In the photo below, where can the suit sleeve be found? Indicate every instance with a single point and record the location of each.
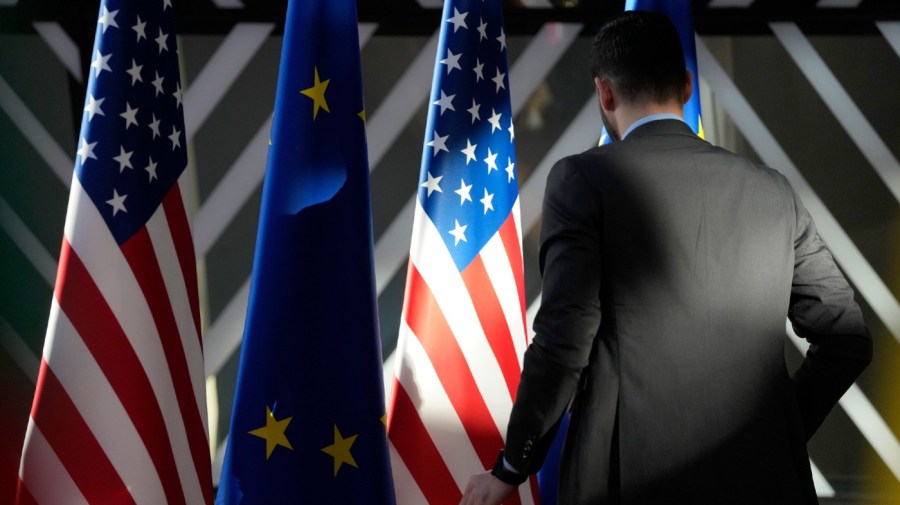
(823, 312)
(567, 321)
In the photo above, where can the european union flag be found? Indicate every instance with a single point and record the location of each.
(308, 421)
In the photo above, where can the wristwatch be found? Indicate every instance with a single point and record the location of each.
(506, 475)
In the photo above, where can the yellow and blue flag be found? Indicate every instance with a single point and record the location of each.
(308, 424)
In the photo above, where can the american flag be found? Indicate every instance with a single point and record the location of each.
(119, 413)
(462, 332)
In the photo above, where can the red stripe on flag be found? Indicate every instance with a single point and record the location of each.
(71, 438)
(184, 248)
(138, 251)
(427, 322)
(23, 496)
(535, 489)
(418, 452)
(509, 235)
(492, 319)
(84, 305)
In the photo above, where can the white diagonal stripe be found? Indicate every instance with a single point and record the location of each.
(854, 264)
(863, 414)
(223, 337)
(62, 46)
(18, 350)
(529, 68)
(25, 240)
(891, 32)
(38, 136)
(842, 4)
(48, 480)
(229, 4)
(229, 195)
(221, 71)
(823, 488)
(840, 104)
(400, 104)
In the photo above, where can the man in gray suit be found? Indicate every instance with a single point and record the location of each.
(669, 269)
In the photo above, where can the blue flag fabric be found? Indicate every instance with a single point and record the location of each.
(308, 424)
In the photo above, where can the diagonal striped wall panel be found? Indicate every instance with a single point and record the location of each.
(815, 107)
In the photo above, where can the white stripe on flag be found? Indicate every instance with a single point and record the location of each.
(405, 487)
(97, 403)
(176, 288)
(437, 268)
(499, 270)
(421, 383)
(91, 240)
(48, 481)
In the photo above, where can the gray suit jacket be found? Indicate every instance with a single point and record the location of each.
(669, 269)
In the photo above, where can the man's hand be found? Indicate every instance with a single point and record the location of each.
(485, 489)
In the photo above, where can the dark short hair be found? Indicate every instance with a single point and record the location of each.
(641, 53)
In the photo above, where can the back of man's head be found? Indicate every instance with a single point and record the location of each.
(640, 52)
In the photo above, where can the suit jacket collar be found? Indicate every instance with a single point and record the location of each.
(661, 127)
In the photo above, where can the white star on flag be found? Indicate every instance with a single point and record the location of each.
(124, 159)
(438, 143)
(151, 169)
(86, 151)
(491, 161)
(154, 125)
(135, 72)
(445, 102)
(459, 233)
(482, 29)
(177, 94)
(107, 18)
(93, 107)
(458, 20)
(473, 110)
(101, 63)
(140, 28)
(498, 80)
(510, 169)
(433, 184)
(494, 120)
(130, 116)
(161, 41)
(479, 70)
(452, 61)
(157, 83)
(469, 151)
(463, 191)
(117, 202)
(487, 201)
(175, 137)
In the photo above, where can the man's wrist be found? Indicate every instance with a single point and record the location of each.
(505, 474)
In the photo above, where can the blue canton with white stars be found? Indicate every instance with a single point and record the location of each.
(131, 150)
(468, 181)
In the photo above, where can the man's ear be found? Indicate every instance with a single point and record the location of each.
(606, 93)
(688, 86)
